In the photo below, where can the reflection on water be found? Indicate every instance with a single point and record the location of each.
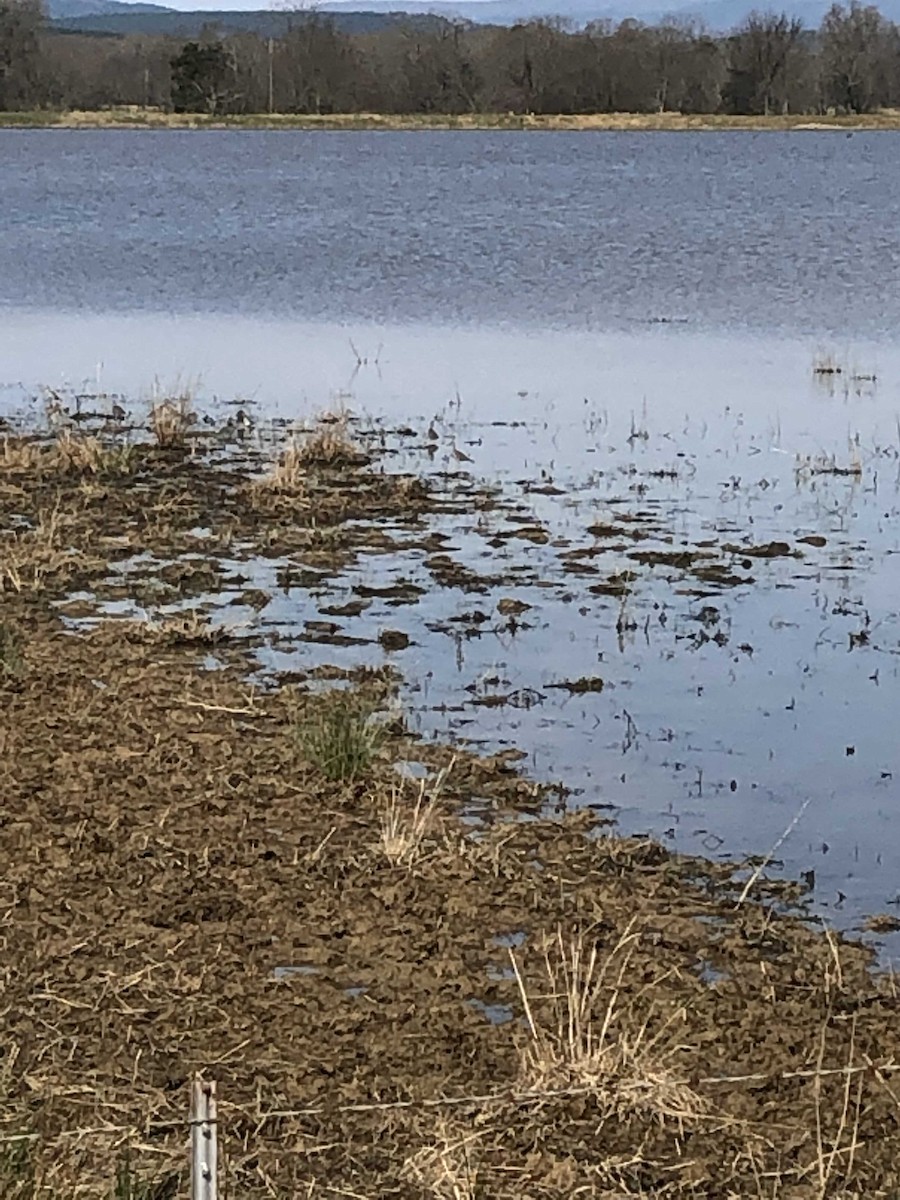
(703, 524)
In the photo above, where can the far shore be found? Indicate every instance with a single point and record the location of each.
(149, 118)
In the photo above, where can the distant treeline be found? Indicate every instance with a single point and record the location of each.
(770, 64)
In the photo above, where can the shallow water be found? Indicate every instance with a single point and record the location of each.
(728, 711)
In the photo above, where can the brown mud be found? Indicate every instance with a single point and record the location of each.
(428, 978)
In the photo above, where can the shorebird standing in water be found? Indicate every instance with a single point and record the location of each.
(459, 455)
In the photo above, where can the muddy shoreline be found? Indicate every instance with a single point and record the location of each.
(413, 971)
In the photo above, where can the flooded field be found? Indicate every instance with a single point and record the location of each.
(704, 527)
(449, 664)
(413, 969)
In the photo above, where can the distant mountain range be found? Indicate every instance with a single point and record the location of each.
(717, 15)
(63, 9)
(114, 17)
(359, 16)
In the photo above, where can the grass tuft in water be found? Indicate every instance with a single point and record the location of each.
(171, 420)
(329, 445)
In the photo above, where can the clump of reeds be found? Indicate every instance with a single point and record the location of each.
(171, 420)
(78, 455)
(588, 1035)
(329, 445)
(68, 453)
(89, 456)
(342, 737)
(288, 475)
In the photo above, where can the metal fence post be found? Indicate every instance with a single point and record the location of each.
(204, 1141)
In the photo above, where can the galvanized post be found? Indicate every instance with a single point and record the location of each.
(204, 1141)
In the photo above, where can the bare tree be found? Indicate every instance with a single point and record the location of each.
(304, 61)
(855, 41)
(763, 55)
(20, 26)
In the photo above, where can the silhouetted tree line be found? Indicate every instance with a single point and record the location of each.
(770, 64)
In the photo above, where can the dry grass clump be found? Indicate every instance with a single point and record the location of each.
(329, 445)
(587, 1033)
(343, 735)
(404, 827)
(20, 454)
(90, 456)
(446, 1167)
(288, 475)
(171, 420)
(68, 453)
(29, 556)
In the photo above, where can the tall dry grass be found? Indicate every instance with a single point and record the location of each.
(30, 555)
(68, 453)
(404, 826)
(171, 420)
(329, 444)
(590, 1032)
